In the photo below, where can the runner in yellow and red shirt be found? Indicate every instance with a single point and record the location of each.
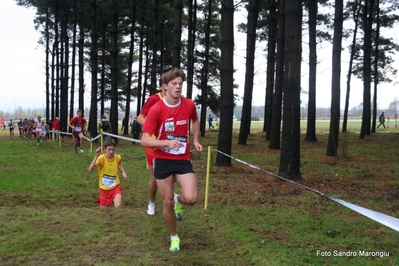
(109, 164)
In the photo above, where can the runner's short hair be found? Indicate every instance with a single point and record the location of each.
(172, 74)
(109, 142)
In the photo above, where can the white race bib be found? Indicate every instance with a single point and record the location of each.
(109, 181)
(182, 148)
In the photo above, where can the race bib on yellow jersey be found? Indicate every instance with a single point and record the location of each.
(109, 181)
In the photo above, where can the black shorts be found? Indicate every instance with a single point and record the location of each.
(164, 168)
(75, 134)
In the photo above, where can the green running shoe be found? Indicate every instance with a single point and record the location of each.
(179, 211)
(175, 245)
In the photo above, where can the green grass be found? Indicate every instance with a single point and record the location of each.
(49, 214)
(322, 126)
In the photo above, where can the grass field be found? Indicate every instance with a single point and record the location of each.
(49, 214)
(322, 126)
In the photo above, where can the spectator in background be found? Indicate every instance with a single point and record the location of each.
(50, 128)
(210, 121)
(382, 120)
(123, 123)
(56, 128)
(136, 129)
(104, 126)
(62, 128)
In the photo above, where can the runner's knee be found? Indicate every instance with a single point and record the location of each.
(190, 199)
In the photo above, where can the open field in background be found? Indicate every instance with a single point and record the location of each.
(49, 215)
(323, 126)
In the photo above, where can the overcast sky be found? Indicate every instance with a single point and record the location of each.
(22, 76)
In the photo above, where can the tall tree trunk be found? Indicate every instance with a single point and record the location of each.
(290, 149)
(366, 116)
(271, 54)
(205, 70)
(57, 66)
(103, 65)
(146, 71)
(177, 29)
(94, 70)
(356, 11)
(63, 68)
(81, 53)
(130, 63)
(336, 80)
(114, 70)
(53, 70)
(192, 29)
(253, 13)
(140, 92)
(154, 63)
(275, 128)
(311, 125)
(227, 82)
(376, 58)
(48, 70)
(161, 50)
(73, 62)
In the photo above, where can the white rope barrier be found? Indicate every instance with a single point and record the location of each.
(121, 137)
(381, 218)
